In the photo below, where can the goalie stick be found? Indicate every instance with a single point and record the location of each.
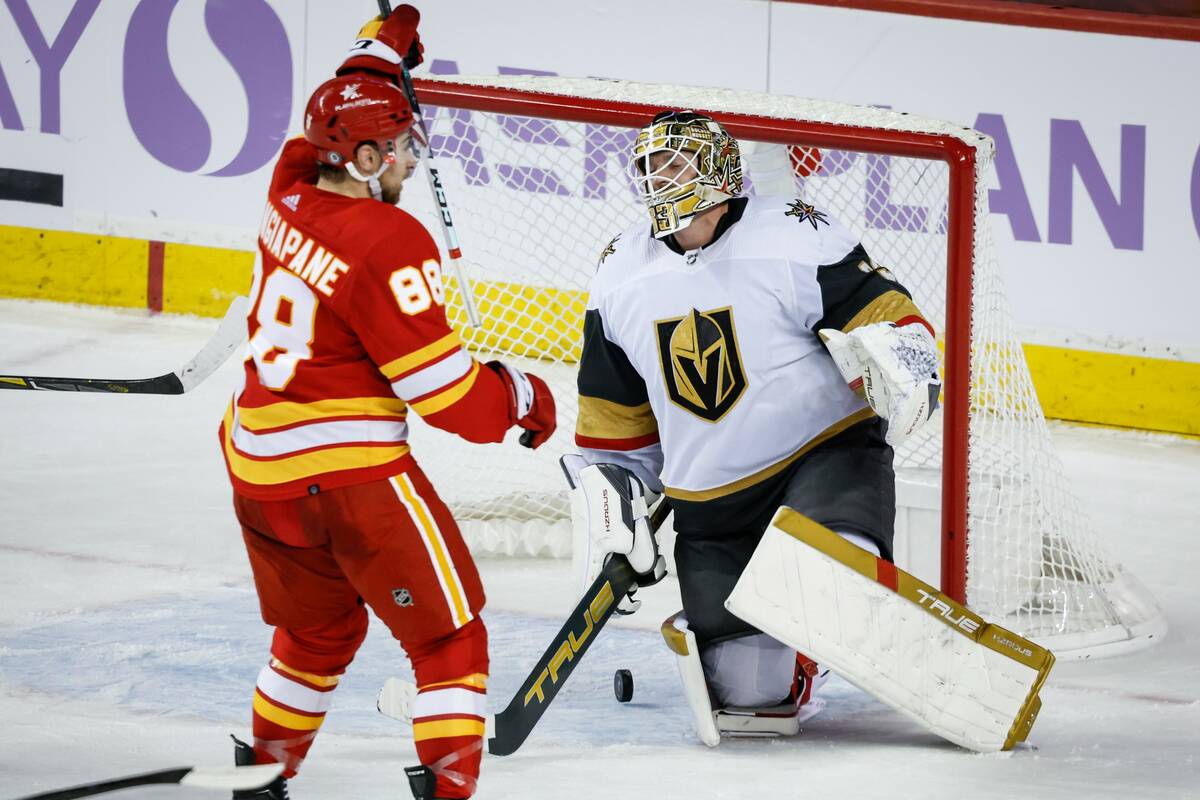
(509, 729)
(435, 186)
(229, 335)
(234, 778)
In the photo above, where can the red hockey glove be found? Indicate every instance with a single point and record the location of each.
(531, 404)
(383, 45)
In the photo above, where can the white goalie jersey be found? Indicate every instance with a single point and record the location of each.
(702, 371)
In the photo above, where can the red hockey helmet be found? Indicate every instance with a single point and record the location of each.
(351, 109)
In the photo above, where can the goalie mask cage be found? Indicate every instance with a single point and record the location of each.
(534, 171)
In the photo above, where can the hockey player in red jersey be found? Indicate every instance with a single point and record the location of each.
(348, 332)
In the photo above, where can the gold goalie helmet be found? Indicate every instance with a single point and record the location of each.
(684, 163)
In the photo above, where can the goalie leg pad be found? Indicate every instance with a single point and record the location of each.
(970, 682)
(695, 688)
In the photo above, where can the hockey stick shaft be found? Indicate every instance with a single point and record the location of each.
(509, 729)
(599, 602)
(435, 186)
(551, 671)
(229, 335)
(233, 778)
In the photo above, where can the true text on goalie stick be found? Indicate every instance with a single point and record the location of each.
(513, 725)
(435, 186)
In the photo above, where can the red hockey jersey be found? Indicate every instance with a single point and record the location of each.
(347, 329)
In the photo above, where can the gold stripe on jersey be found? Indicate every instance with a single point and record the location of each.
(891, 306)
(447, 397)
(279, 415)
(406, 363)
(604, 419)
(268, 472)
(774, 469)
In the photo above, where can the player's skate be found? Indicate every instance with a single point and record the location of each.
(243, 755)
(782, 719)
(422, 781)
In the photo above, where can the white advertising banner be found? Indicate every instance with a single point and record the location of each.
(163, 118)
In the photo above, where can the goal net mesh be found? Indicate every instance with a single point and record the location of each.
(535, 199)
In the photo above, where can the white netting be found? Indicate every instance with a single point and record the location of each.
(535, 200)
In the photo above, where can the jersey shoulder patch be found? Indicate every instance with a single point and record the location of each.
(809, 234)
(806, 212)
(608, 250)
(622, 258)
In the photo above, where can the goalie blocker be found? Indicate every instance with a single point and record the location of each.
(891, 635)
(610, 516)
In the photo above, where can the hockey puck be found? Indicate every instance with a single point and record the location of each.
(623, 685)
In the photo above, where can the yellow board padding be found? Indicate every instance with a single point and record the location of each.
(69, 267)
(204, 280)
(540, 322)
(1155, 394)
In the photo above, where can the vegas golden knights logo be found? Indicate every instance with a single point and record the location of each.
(701, 364)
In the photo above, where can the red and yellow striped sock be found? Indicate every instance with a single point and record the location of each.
(448, 728)
(289, 707)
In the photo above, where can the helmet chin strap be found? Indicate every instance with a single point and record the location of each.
(372, 180)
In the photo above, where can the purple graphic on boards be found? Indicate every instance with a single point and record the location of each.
(169, 124)
(1196, 192)
(252, 38)
(1123, 213)
(50, 58)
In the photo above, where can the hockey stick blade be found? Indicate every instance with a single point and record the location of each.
(230, 778)
(229, 335)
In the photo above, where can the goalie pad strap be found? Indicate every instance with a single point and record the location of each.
(971, 682)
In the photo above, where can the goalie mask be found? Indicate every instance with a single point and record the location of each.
(684, 163)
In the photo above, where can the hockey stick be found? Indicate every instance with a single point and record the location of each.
(508, 730)
(229, 335)
(435, 185)
(235, 778)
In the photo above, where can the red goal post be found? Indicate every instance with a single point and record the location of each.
(496, 123)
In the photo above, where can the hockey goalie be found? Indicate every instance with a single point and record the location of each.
(748, 359)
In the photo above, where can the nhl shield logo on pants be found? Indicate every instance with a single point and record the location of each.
(402, 597)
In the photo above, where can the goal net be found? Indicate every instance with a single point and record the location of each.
(534, 171)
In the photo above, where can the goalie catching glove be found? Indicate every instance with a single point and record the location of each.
(895, 368)
(610, 517)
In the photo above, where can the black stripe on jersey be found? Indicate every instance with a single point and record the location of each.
(847, 288)
(604, 369)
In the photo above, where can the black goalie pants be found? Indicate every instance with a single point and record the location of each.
(846, 484)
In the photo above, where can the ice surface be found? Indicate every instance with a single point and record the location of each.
(130, 640)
